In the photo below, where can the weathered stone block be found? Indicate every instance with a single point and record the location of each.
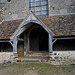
(63, 58)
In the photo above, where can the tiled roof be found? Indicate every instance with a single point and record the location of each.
(7, 28)
(58, 25)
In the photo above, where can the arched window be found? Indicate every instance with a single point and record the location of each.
(39, 7)
(8, 0)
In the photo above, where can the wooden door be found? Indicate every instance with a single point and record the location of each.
(34, 42)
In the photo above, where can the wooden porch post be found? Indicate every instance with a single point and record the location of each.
(50, 44)
(15, 45)
(25, 43)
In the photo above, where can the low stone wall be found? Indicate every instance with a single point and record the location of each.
(7, 57)
(55, 58)
(62, 58)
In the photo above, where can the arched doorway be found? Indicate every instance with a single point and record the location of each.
(38, 40)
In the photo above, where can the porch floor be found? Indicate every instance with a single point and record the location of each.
(37, 54)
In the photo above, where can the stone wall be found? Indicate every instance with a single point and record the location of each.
(62, 7)
(7, 57)
(1, 12)
(16, 9)
(62, 58)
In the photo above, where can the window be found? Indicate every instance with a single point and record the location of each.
(39, 7)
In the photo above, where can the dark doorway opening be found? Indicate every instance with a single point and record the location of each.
(6, 47)
(38, 40)
(64, 45)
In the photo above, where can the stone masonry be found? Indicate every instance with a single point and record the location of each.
(16, 9)
(62, 58)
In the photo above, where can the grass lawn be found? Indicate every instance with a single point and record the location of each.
(36, 69)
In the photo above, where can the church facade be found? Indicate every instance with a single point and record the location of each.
(40, 29)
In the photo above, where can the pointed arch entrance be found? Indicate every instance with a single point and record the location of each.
(23, 28)
(38, 40)
(35, 37)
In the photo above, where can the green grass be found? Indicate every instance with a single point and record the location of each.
(27, 65)
(39, 67)
(69, 68)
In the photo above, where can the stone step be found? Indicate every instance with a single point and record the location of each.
(37, 54)
(27, 60)
(33, 59)
(36, 58)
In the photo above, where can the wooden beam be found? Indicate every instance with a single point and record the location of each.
(15, 44)
(4, 40)
(20, 39)
(11, 43)
(25, 43)
(54, 41)
(50, 44)
(63, 38)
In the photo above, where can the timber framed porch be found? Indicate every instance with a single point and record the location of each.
(38, 34)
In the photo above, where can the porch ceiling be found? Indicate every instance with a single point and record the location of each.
(24, 28)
